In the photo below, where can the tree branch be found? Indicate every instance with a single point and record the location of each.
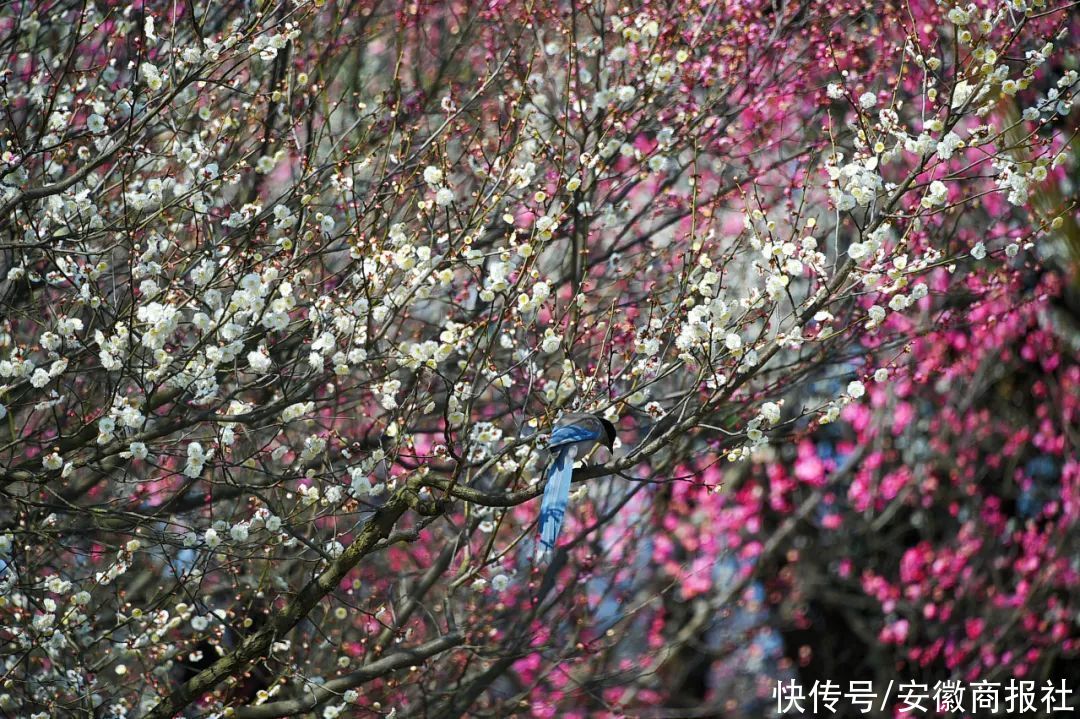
(322, 692)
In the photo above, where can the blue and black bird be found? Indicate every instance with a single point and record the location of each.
(575, 434)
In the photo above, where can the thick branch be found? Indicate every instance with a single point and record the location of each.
(256, 645)
(322, 692)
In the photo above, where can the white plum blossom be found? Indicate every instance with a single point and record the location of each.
(95, 123)
(948, 145)
(259, 360)
(648, 347)
(160, 320)
(771, 412)
(52, 461)
(1015, 181)
(265, 164)
(309, 494)
(387, 391)
(196, 458)
(68, 326)
(444, 197)
(433, 175)
(313, 447)
(50, 341)
(938, 194)
(203, 273)
(959, 15)
(544, 225)
(152, 76)
(361, 485)
(856, 183)
(296, 410)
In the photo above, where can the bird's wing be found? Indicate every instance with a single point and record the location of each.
(556, 497)
(571, 433)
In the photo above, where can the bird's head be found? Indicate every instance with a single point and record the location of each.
(608, 440)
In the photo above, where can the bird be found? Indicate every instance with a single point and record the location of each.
(574, 434)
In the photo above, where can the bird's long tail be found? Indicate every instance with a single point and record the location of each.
(556, 497)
